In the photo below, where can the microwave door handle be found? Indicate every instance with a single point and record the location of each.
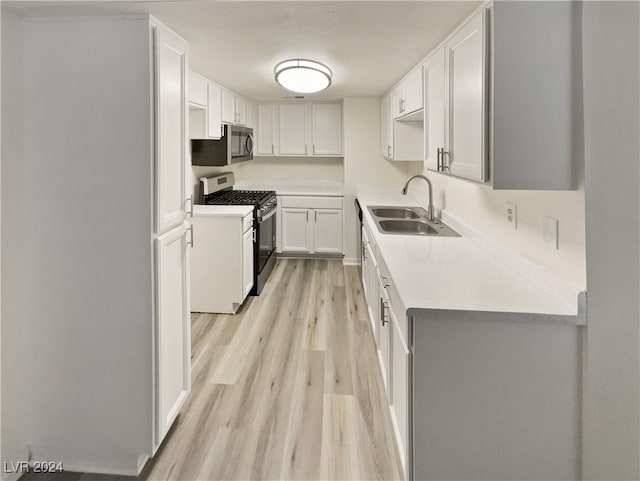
(249, 144)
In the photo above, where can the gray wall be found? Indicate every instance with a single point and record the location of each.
(14, 371)
(611, 422)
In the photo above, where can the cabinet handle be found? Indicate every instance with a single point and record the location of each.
(272, 149)
(385, 281)
(307, 216)
(190, 200)
(313, 149)
(315, 216)
(190, 243)
(254, 235)
(439, 161)
(383, 306)
(445, 167)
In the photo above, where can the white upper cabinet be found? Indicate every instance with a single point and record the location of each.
(386, 124)
(241, 111)
(171, 133)
(300, 129)
(266, 130)
(197, 90)
(228, 107)
(408, 96)
(326, 129)
(537, 80)
(292, 127)
(214, 110)
(434, 114)
(466, 149)
(234, 108)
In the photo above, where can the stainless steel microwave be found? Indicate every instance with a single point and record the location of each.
(235, 145)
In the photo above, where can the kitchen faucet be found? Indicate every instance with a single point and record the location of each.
(406, 187)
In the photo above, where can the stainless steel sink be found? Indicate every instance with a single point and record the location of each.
(407, 227)
(408, 221)
(395, 212)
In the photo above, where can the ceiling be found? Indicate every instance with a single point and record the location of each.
(368, 44)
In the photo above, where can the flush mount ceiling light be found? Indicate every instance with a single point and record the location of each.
(303, 76)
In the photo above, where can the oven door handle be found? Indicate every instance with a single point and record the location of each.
(262, 219)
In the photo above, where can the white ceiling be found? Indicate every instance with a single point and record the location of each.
(368, 45)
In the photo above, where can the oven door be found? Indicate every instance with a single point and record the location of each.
(264, 251)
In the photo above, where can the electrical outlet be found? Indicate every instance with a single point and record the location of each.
(511, 214)
(550, 231)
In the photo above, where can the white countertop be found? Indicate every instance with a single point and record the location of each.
(222, 210)
(470, 273)
(286, 187)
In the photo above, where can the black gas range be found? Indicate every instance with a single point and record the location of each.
(218, 190)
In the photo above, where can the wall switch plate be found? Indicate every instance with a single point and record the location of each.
(550, 231)
(511, 214)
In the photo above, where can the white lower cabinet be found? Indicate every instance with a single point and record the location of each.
(295, 230)
(388, 328)
(399, 389)
(247, 261)
(384, 333)
(311, 225)
(173, 328)
(223, 244)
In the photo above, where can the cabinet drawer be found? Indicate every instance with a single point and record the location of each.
(311, 202)
(247, 222)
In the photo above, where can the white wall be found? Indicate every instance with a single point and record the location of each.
(14, 338)
(484, 208)
(611, 424)
(363, 163)
(291, 168)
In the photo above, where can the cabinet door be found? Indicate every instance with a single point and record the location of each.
(247, 262)
(326, 127)
(412, 95)
(327, 234)
(266, 130)
(214, 111)
(295, 230)
(400, 388)
(434, 81)
(197, 90)
(384, 334)
(386, 123)
(466, 139)
(292, 129)
(396, 102)
(173, 328)
(241, 111)
(171, 134)
(373, 301)
(228, 107)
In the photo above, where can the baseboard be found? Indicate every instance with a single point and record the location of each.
(13, 467)
(120, 464)
(351, 261)
(287, 255)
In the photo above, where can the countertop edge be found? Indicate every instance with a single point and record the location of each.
(423, 314)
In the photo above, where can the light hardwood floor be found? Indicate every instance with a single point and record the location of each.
(288, 388)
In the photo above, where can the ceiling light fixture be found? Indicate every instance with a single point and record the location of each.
(303, 76)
